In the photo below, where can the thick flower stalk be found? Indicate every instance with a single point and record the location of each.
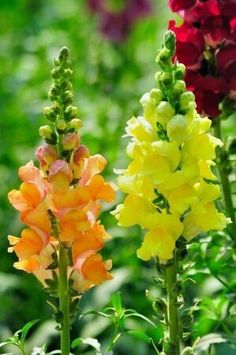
(171, 189)
(59, 203)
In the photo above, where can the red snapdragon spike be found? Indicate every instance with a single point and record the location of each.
(206, 44)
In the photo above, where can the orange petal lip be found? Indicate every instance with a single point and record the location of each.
(95, 270)
(95, 164)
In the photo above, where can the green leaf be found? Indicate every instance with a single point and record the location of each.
(105, 315)
(116, 301)
(138, 315)
(212, 338)
(26, 328)
(5, 343)
(88, 341)
(113, 342)
(140, 335)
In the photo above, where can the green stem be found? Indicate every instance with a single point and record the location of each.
(63, 291)
(222, 164)
(172, 308)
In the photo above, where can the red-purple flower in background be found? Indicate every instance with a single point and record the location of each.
(115, 24)
(206, 44)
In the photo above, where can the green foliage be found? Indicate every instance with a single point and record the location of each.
(18, 339)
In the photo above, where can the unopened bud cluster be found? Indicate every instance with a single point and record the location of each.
(62, 115)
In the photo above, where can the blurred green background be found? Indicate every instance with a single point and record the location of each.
(109, 79)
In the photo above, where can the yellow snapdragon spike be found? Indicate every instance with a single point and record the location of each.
(170, 171)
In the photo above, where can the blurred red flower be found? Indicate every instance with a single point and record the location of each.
(116, 24)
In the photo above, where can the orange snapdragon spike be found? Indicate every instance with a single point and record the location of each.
(60, 200)
(51, 191)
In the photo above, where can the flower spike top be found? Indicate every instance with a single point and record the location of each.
(59, 202)
(169, 183)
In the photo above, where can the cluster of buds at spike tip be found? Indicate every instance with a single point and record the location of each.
(169, 182)
(62, 115)
(60, 201)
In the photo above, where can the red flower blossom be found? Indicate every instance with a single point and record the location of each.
(177, 5)
(208, 90)
(206, 44)
(190, 44)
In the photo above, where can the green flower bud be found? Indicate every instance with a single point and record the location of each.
(47, 133)
(177, 129)
(55, 73)
(68, 73)
(166, 80)
(170, 42)
(50, 114)
(164, 112)
(179, 72)
(71, 112)
(64, 54)
(76, 123)
(179, 87)
(159, 305)
(61, 125)
(185, 99)
(56, 107)
(53, 92)
(67, 97)
(156, 95)
(164, 58)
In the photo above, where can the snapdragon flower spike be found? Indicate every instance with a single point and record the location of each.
(169, 183)
(60, 200)
(206, 44)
